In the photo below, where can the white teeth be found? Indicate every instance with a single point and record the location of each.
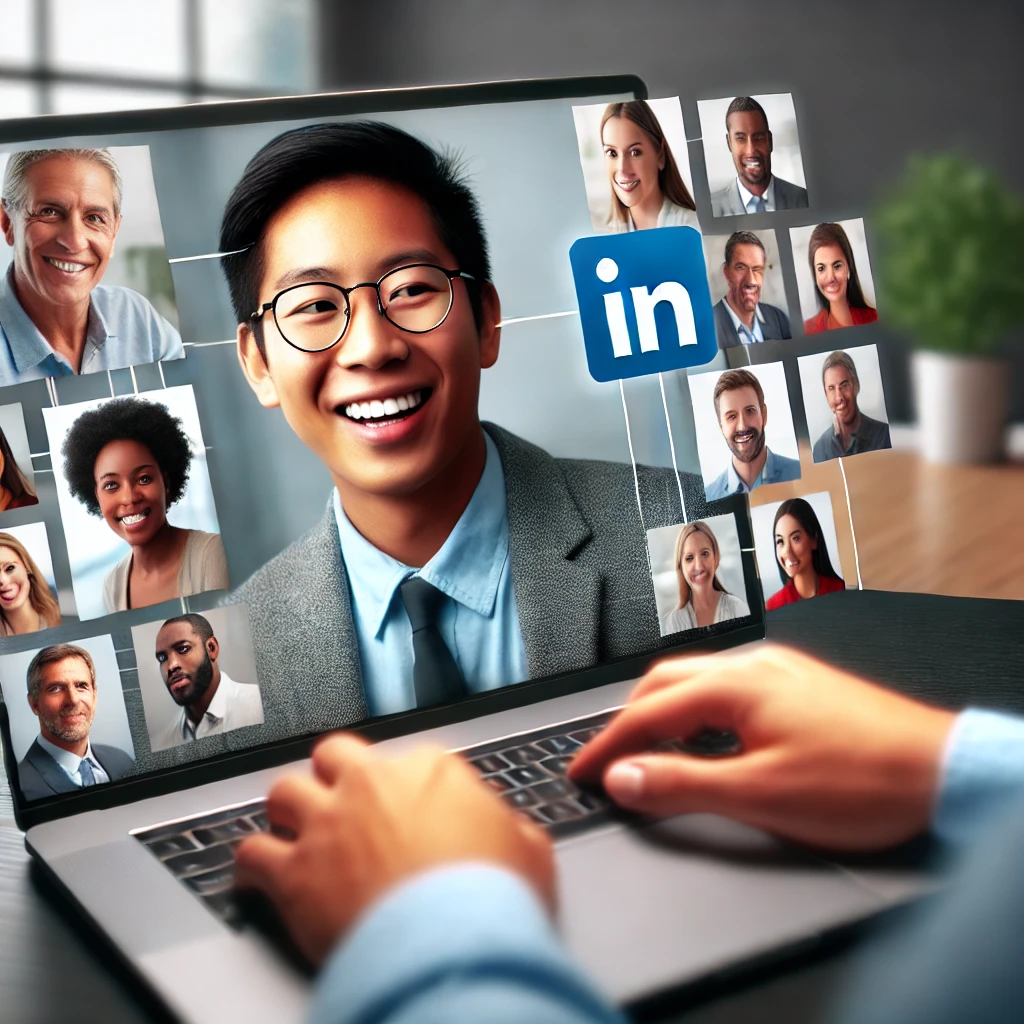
(71, 268)
(379, 408)
(132, 520)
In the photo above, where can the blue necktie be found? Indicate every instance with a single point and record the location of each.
(87, 774)
(758, 204)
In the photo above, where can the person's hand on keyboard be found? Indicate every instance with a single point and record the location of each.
(824, 757)
(363, 823)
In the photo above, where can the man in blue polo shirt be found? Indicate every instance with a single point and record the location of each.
(60, 213)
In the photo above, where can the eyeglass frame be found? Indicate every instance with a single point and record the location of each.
(256, 316)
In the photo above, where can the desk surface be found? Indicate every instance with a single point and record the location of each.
(945, 650)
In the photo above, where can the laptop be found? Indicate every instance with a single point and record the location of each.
(574, 576)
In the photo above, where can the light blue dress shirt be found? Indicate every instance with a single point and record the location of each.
(478, 621)
(470, 943)
(776, 469)
(749, 200)
(71, 764)
(746, 335)
(123, 330)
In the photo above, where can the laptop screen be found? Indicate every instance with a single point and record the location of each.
(305, 436)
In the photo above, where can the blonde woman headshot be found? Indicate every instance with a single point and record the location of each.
(26, 603)
(703, 600)
(647, 190)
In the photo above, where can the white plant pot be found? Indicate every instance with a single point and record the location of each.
(962, 407)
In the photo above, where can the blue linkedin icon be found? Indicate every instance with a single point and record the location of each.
(644, 302)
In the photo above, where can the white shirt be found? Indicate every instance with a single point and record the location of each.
(749, 200)
(71, 764)
(729, 607)
(670, 216)
(234, 705)
(747, 336)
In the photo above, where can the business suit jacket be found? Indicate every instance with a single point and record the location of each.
(39, 775)
(775, 326)
(788, 196)
(579, 569)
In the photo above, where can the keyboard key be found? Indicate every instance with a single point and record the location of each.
(559, 811)
(590, 803)
(221, 833)
(260, 820)
(489, 764)
(559, 745)
(586, 735)
(520, 799)
(556, 765)
(170, 845)
(553, 790)
(524, 755)
(200, 860)
(527, 776)
(498, 782)
(214, 881)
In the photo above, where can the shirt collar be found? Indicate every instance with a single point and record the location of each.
(737, 322)
(28, 346)
(738, 486)
(217, 710)
(663, 214)
(467, 567)
(768, 197)
(68, 761)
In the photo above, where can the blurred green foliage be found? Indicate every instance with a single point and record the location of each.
(950, 273)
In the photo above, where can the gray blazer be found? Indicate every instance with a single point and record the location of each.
(774, 328)
(579, 568)
(788, 196)
(39, 775)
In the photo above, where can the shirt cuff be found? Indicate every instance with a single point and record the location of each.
(982, 771)
(455, 927)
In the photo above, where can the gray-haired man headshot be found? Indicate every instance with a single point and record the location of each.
(60, 212)
(852, 432)
(62, 694)
(754, 189)
(211, 701)
(742, 417)
(741, 318)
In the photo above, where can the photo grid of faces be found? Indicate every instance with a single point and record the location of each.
(172, 585)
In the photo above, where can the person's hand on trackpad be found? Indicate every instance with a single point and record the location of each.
(825, 758)
(364, 823)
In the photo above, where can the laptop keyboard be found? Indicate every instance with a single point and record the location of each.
(528, 771)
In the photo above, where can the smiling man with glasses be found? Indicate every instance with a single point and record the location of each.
(453, 557)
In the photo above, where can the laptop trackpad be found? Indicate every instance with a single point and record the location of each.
(645, 909)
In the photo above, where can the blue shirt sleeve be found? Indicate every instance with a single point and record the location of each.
(982, 772)
(463, 944)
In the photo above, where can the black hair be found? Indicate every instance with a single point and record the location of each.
(126, 419)
(745, 105)
(322, 152)
(803, 512)
(741, 238)
(198, 623)
(12, 477)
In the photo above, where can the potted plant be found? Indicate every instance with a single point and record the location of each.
(950, 276)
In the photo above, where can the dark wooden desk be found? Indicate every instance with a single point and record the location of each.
(947, 650)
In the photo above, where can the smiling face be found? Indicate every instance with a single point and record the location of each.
(794, 548)
(632, 160)
(745, 275)
(831, 272)
(750, 143)
(131, 491)
(742, 419)
(420, 391)
(63, 236)
(699, 564)
(186, 663)
(841, 392)
(15, 586)
(66, 703)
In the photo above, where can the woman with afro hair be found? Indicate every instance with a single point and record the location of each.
(128, 461)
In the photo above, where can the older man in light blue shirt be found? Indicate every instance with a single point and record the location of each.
(60, 213)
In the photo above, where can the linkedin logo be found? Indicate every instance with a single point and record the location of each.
(644, 302)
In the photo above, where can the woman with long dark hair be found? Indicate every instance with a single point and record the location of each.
(15, 490)
(803, 562)
(837, 285)
(647, 190)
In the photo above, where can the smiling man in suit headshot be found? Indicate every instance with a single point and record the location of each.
(453, 556)
(754, 189)
(62, 694)
(741, 318)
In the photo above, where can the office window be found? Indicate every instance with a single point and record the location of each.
(65, 56)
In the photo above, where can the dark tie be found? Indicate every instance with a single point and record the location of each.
(88, 776)
(435, 675)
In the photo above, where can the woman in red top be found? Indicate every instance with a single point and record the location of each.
(835, 274)
(804, 564)
(15, 490)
